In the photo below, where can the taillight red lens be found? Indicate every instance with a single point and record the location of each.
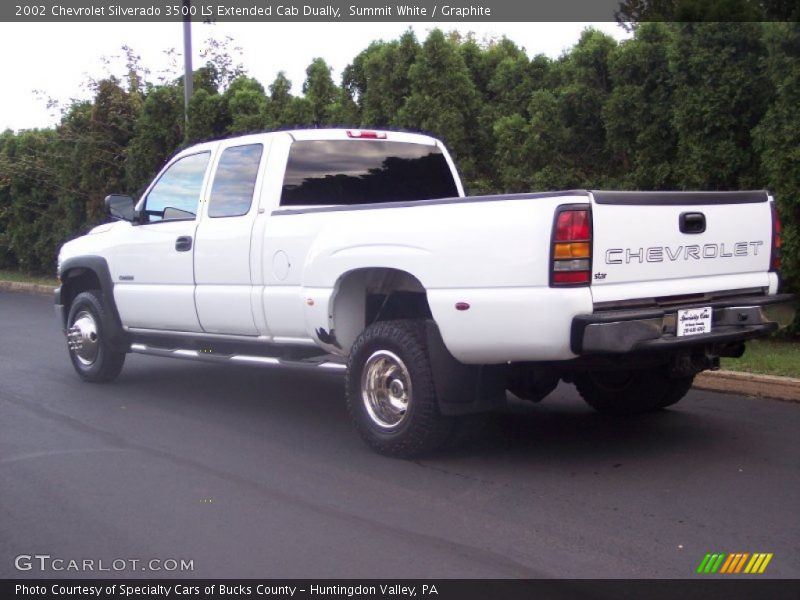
(775, 260)
(571, 277)
(571, 246)
(572, 226)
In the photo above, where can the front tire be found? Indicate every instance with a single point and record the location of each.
(89, 348)
(631, 392)
(390, 390)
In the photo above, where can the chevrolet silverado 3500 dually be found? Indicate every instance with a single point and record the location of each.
(357, 250)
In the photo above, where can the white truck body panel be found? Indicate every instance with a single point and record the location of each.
(459, 253)
(162, 277)
(275, 273)
(224, 284)
(642, 246)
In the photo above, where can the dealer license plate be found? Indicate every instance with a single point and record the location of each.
(694, 321)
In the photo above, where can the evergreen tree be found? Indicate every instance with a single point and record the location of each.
(247, 105)
(720, 96)
(344, 110)
(639, 112)
(443, 99)
(101, 148)
(320, 91)
(159, 133)
(778, 140)
(565, 143)
(299, 113)
(378, 78)
(208, 116)
(280, 98)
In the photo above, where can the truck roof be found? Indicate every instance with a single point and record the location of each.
(321, 134)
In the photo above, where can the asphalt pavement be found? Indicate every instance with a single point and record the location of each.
(257, 472)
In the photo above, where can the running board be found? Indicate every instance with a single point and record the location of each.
(326, 361)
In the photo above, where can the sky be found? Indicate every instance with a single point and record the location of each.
(55, 60)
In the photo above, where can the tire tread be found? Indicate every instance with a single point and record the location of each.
(649, 390)
(426, 428)
(109, 362)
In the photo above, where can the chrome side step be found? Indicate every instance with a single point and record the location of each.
(326, 361)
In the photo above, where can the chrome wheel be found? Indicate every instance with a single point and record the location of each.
(390, 389)
(82, 338)
(386, 389)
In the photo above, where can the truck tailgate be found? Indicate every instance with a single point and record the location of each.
(664, 244)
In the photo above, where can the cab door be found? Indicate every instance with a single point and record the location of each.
(222, 250)
(152, 265)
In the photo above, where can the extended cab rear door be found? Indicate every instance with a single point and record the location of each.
(223, 247)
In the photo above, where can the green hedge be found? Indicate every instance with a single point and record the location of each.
(710, 106)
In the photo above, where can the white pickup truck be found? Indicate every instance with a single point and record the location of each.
(357, 250)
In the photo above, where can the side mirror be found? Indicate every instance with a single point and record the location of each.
(120, 207)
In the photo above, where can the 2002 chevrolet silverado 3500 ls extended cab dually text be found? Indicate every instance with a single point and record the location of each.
(357, 250)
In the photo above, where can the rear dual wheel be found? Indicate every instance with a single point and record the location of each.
(390, 390)
(529, 383)
(631, 392)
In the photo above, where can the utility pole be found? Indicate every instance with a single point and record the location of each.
(188, 82)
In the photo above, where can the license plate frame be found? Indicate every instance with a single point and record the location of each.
(694, 321)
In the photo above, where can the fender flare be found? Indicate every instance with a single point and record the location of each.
(118, 337)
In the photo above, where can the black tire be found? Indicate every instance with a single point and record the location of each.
(631, 392)
(530, 384)
(95, 361)
(678, 388)
(401, 416)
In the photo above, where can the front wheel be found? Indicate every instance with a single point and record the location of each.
(631, 392)
(390, 390)
(89, 349)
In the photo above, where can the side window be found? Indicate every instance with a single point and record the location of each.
(235, 181)
(177, 192)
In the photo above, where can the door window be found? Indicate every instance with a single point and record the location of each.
(176, 194)
(235, 181)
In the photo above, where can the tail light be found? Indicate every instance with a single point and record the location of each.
(571, 251)
(775, 257)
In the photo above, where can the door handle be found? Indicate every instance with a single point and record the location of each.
(183, 243)
(692, 222)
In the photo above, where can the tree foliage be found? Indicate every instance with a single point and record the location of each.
(443, 99)
(720, 96)
(778, 139)
(680, 105)
(639, 111)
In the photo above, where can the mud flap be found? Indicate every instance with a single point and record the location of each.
(463, 389)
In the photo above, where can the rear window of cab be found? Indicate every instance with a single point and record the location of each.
(346, 172)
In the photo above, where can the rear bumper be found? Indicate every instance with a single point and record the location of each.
(733, 320)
